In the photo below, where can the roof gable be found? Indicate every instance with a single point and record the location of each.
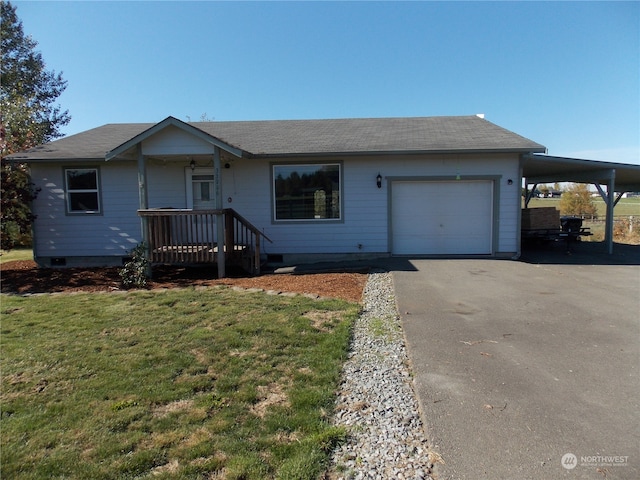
(164, 125)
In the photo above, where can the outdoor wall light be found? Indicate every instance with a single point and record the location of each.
(509, 182)
(379, 181)
(192, 164)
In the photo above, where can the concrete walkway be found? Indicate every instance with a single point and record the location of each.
(521, 365)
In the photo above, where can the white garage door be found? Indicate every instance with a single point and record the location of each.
(442, 218)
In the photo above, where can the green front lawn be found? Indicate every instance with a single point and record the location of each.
(626, 206)
(16, 254)
(207, 383)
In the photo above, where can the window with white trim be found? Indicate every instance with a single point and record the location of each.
(83, 190)
(309, 192)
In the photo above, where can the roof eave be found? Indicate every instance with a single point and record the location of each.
(29, 161)
(360, 153)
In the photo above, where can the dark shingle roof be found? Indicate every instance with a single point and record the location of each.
(311, 137)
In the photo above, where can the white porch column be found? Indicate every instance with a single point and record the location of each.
(217, 190)
(609, 199)
(610, 205)
(142, 179)
(143, 201)
(142, 191)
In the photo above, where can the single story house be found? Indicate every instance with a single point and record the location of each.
(281, 191)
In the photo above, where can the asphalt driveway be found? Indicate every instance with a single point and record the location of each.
(518, 366)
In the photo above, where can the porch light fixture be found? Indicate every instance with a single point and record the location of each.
(379, 181)
(192, 164)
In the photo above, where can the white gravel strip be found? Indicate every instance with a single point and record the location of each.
(376, 402)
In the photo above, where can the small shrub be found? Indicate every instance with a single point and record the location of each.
(134, 272)
(627, 230)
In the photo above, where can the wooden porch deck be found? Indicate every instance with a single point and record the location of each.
(189, 237)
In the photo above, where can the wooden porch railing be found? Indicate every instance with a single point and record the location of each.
(185, 237)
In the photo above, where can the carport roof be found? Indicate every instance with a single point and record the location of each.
(550, 169)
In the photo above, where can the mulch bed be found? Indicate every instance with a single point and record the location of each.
(24, 277)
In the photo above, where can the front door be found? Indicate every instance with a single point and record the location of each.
(200, 189)
(200, 196)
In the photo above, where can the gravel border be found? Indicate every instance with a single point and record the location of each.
(376, 402)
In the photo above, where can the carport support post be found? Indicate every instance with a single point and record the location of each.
(528, 195)
(610, 201)
(217, 187)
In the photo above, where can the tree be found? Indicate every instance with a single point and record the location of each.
(544, 190)
(577, 200)
(29, 117)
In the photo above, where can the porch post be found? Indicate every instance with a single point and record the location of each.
(217, 188)
(143, 201)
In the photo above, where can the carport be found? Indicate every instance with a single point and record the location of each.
(611, 179)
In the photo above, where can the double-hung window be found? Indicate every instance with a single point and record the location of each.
(307, 192)
(83, 190)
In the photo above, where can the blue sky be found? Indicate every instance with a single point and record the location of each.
(566, 75)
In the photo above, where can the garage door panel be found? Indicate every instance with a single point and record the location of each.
(442, 217)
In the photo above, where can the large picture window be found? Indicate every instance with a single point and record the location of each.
(307, 192)
(83, 194)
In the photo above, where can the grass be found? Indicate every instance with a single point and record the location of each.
(16, 254)
(170, 384)
(626, 207)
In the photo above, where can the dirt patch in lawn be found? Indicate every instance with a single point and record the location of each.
(24, 277)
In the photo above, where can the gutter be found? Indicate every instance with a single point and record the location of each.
(359, 153)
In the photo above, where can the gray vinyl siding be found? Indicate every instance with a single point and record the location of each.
(117, 229)
(166, 184)
(113, 232)
(246, 184)
(365, 225)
